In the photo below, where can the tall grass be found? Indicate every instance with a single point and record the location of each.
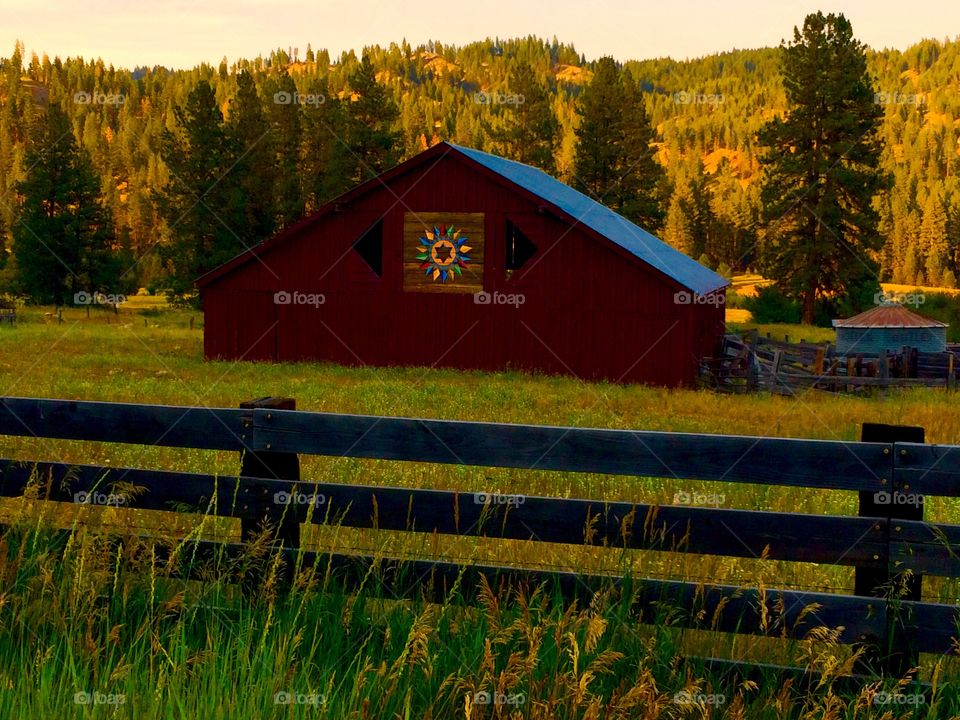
(92, 627)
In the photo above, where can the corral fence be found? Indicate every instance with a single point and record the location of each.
(8, 316)
(752, 362)
(889, 543)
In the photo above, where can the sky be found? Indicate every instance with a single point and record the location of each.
(181, 34)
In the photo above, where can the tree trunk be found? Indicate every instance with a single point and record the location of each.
(809, 305)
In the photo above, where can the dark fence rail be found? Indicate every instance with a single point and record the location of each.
(887, 539)
(732, 458)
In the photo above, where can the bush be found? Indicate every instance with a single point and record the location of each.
(944, 307)
(862, 296)
(770, 305)
(735, 300)
(707, 261)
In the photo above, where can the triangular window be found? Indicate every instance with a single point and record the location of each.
(519, 248)
(369, 246)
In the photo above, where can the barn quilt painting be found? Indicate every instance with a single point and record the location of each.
(443, 252)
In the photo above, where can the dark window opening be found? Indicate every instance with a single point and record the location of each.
(369, 246)
(519, 248)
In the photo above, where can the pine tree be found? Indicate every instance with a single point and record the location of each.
(678, 231)
(531, 131)
(615, 162)
(371, 137)
(4, 246)
(284, 109)
(64, 237)
(327, 162)
(642, 185)
(599, 136)
(953, 230)
(201, 203)
(821, 169)
(911, 266)
(255, 170)
(934, 270)
(933, 236)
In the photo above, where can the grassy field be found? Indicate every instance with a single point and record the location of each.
(96, 618)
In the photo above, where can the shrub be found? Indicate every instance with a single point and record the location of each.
(735, 300)
(944, 307)
(770, 305)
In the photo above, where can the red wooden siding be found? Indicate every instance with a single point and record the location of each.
(590, 309)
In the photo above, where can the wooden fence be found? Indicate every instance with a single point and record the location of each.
(753, 362)
(888, 541)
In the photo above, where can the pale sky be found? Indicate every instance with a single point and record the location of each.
(177, 33)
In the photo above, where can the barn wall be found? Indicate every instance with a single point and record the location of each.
(588, 309)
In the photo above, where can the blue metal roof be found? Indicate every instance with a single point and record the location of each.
(604, 221)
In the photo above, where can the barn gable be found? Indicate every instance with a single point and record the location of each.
(576, 208)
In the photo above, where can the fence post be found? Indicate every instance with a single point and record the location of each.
(875, 582)
(819, 360)
(271, 466)
(753, 362)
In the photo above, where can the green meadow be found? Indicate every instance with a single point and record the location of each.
(92, 627)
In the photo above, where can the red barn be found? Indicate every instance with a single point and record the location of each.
(458, 258)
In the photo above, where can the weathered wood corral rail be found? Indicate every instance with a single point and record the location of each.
(752, 362)
(888, 541)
